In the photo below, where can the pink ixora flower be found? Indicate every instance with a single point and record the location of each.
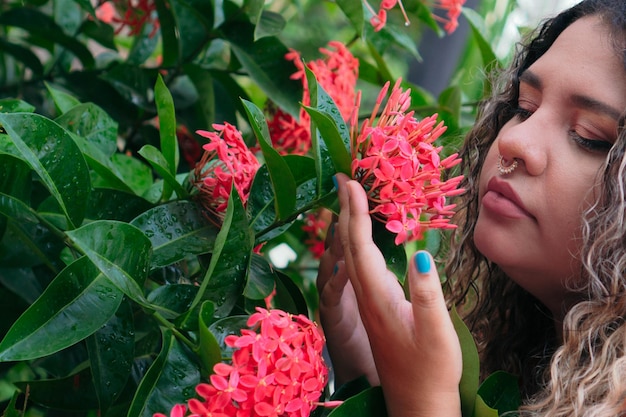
(276, 370)
(315, 225)
(453, 11)
(395, 160)
(337, 73)
(226, 162)
(130, 14)
(379, 20)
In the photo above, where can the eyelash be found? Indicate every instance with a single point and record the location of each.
(592, 145)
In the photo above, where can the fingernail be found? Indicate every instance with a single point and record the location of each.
(335, 269)
(335, 182)
(332, 230)
(422, 262)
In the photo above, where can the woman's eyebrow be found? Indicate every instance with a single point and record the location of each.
(578, 100)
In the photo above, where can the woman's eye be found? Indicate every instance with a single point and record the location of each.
(521, 113)
(593, 145)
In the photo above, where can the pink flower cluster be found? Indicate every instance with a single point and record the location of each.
(451, 21)
(315, 225)
(131, 14)
(227, 161)
(395, 160)
(277, 370)
(453, 10)
(337, 73)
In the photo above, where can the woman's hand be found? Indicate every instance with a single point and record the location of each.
(415, 347)
(346, 338)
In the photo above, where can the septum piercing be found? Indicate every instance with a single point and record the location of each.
(506, 169)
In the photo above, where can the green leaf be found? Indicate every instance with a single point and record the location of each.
(476, 24)
(111, 353)
(481, 409)
(42, 25)
(353, 9)
(75, 304)
(283, 183)
(62, 101)
(176, 230)
(500, 391)
(55, 157)
(11, 411)
(468, 387)
(192, 28)
(176, 298)
(72, 393)
(368, 403)
(92, 123)
(24, 55)
(12, 105)
(225, 277)
(159, 162)
(395, 255)
(107, 204)
(99, 32)
(170, 380)
(325, 167)
(203, 82)
(336, 147)
(108, 174)
(120, 251)
(261, 279)
(264, 61)
(209, 350)
(167, 24)
(167, 124)
(143, 46)
(269, 24)
(15, 180)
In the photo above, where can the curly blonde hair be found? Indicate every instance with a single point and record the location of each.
(584, 373)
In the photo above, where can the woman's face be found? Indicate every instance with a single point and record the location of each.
(569, 102)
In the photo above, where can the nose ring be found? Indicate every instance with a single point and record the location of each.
(506, 169)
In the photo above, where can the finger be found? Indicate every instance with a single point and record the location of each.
(367, 268)
(333, 290)
(432, 320)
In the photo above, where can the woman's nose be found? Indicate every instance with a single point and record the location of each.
(527, 141)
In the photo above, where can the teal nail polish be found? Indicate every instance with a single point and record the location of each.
(335, 269)
(422, 262)
(335, 182)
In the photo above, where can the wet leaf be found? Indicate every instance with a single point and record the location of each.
(53, 155)
(170, 380)
(75, 304)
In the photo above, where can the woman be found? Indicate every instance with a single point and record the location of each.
(538, 263)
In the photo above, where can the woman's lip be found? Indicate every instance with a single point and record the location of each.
(502, 200)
